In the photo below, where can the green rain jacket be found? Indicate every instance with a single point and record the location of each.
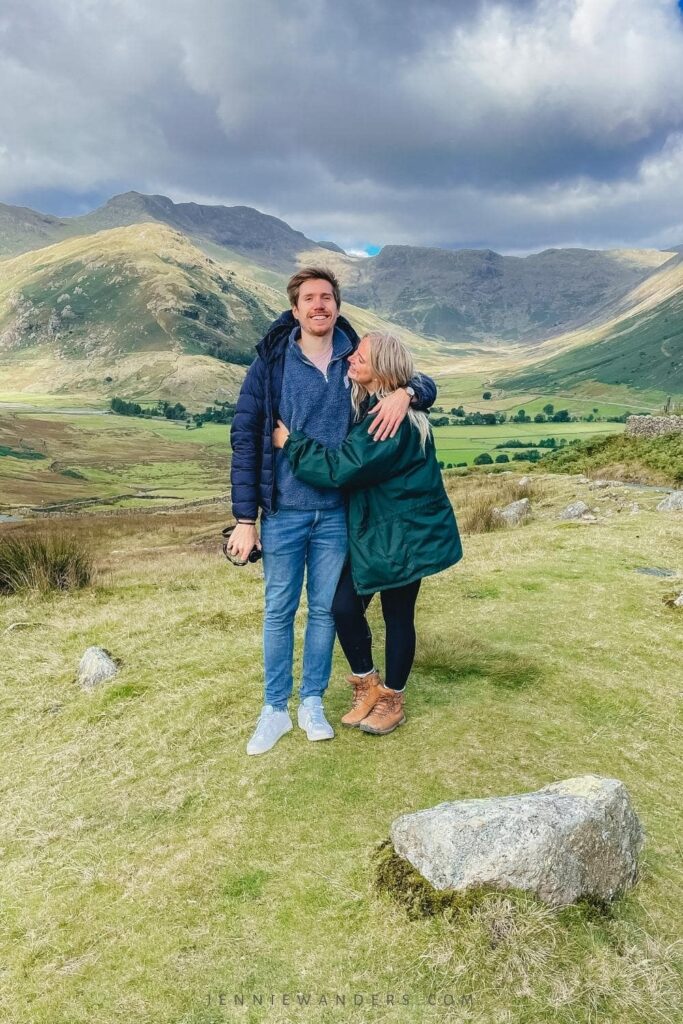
(401, 523)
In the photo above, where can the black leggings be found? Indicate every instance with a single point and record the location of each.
(398, 609)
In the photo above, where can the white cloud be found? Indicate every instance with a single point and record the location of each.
(514, 125)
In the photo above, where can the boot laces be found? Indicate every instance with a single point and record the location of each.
(360, 689)
(388, 704)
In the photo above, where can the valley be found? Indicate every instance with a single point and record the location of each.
(151, 301)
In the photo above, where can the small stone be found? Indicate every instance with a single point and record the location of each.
(577, 510)
(579, 838)
(599, 485)
(678, 601)
(525, 481)
(515, 512)
(582, 480)
(672, 503)
(656, 571)
(95, 667)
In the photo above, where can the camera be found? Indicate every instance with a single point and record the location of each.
(253, 555)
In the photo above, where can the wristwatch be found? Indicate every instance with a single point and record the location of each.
(410, 391)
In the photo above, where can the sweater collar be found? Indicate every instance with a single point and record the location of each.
(341, 345)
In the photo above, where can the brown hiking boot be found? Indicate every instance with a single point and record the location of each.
(387, 713)
(365, 696)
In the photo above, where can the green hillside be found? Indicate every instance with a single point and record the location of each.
(644, 350)
(129, 289)
(651, 459)
(138, 311)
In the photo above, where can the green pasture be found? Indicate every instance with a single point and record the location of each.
(154, 873)
(467, 389)
(463, 444)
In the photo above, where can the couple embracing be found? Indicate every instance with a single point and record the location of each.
(331, 442)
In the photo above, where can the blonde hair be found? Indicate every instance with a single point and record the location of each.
(393, 368)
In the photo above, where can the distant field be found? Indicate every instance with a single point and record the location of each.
(462, 444)
(96, 455)
(467, 389)
(72, 455)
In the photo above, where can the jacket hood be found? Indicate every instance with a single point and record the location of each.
(275, 339)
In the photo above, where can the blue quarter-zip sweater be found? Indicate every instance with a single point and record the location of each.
(319, 405)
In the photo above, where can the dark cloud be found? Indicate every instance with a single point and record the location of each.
(513, 125)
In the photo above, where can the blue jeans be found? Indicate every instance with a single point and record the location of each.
(293, 541)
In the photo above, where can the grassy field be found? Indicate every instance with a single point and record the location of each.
(141, 460)
(150, 868)
(463, 444)
(89, 454)
(602, 400)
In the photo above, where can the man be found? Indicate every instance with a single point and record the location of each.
(300, 376)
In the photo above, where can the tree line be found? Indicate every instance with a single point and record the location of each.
(220, 412)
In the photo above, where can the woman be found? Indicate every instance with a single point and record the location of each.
(401, 527)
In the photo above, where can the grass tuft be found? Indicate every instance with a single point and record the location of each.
(477, 500)
(43, 563)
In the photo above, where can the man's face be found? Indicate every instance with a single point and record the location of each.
(316, 309)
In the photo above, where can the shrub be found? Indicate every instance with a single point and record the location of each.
(43, 563)
(483, 460)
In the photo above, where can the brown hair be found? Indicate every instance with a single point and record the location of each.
(312, 274)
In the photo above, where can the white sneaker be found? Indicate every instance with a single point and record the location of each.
(311, 717)
(272, 724)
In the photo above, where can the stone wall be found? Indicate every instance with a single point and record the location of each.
(653, 426)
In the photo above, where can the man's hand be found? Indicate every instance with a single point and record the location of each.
(280, 435)
(389, 414)
(242, 541)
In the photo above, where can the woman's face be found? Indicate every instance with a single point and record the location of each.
(360, 364)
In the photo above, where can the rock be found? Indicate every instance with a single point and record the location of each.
(678, 601)
(570, 840)
(96, 666)
(656, 571)
(582, 479)
(599, 485)
(672, 503)
(525, 481)
(577, 510)
(515, 512)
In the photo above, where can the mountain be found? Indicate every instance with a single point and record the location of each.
(22, 229)
(638, 343)
(143, 275)
(102, 306)
(479, 295)
(141, 312)
(265, 240)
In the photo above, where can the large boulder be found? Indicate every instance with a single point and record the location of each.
(672, 503)
(572, 839)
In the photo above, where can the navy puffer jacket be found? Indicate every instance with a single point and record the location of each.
(252, 474)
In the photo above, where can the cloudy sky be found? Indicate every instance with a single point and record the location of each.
(511, 124)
